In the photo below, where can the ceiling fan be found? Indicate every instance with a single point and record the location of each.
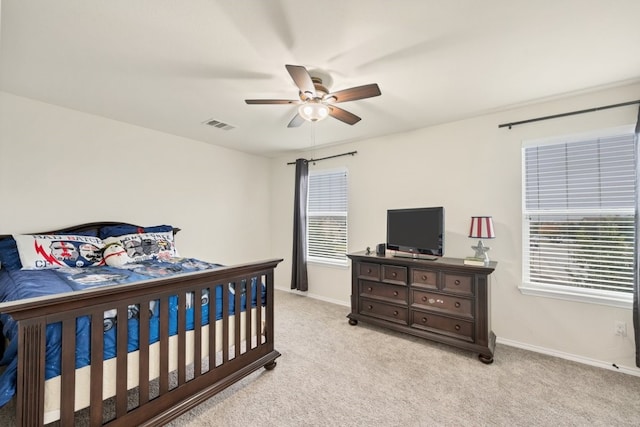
(316, 102)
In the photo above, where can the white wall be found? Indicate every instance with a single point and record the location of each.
(60, 167)
(470, 167)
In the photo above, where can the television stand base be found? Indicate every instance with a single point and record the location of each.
(415, 256)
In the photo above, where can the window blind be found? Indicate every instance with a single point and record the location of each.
(579, 207)
(327, 216)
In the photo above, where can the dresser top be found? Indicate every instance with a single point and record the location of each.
(417, 262)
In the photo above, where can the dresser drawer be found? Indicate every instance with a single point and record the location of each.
(424, 278)
(457, 328)
(457, 283)
(394, 274)
(445, 303)
(380, 290)
(384, 311)
(368, 271)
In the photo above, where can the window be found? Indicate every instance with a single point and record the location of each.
(327, 217)
(579, 203)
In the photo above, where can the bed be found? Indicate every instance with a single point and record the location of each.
(133, 342)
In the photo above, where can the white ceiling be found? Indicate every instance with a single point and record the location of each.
(171, 65)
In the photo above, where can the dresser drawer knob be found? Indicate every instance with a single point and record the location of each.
(424, 278)
(394, 274)
(457, 282)
(370, 307)
(457, 327)
(424, 299)
(369, 289)
(457, 304)
(395, 312)
(395, 293)
(368, 270)
(424, 320)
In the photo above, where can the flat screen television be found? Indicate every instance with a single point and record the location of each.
(417, 232)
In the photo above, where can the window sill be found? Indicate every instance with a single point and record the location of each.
(591, 296)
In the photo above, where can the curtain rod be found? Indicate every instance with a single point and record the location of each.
(350, 153)
(555, 116)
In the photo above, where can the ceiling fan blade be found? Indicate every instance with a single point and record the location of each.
(354, 93)
(343, 115)
(272, 101)
(302, 79)
(296, 121)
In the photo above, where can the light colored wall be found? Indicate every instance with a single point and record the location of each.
(470, 167)
(60, 167)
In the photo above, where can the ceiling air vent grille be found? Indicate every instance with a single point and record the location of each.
(218, 124)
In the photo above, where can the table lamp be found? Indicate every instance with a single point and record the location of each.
(481, 228)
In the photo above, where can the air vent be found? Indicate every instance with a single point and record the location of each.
(218, 124)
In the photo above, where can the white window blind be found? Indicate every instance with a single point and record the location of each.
(579, 207)
(327, 217)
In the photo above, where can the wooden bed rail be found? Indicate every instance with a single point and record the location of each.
(41, 306)
(175, 391)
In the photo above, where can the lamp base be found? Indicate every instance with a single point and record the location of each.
(481, 251)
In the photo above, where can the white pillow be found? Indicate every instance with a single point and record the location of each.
(45, 251)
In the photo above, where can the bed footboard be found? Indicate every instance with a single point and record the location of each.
(158, 381)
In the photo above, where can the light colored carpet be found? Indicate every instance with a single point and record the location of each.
(335, 374)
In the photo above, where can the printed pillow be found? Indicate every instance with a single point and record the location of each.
(143, 246)
(44, 251)
(10, 257)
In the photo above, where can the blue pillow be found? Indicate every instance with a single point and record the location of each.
(122, 229)
(9, 256)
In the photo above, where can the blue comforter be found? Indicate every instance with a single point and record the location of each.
(21, 284)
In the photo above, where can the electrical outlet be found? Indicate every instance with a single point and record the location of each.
(620, 328)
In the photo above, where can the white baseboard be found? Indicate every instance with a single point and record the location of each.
(575, 358)
(612, 366)
(315, 296)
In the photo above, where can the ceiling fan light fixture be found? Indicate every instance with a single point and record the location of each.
(316, 102)
(313, 111)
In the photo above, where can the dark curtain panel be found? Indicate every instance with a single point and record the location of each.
(636, 286)
(299, 279)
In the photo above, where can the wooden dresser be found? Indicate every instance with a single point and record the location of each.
(444, 300)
